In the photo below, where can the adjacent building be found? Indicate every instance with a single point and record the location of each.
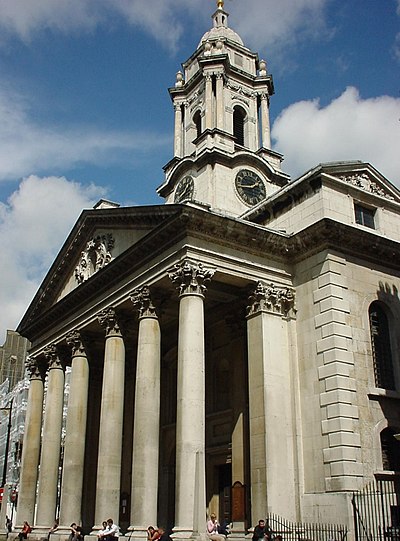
(235, 350)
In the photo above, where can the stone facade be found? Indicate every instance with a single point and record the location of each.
(233, 351)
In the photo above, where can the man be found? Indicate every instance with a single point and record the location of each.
(260, 532)
(110, 533)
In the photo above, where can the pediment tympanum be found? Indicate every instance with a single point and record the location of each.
(98, 252)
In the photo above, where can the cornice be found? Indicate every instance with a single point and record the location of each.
(250, 239)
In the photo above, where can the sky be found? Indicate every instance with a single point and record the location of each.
(85, 112)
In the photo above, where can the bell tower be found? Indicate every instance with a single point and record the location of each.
(222, 145)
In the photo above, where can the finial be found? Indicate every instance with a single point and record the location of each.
(220, 4)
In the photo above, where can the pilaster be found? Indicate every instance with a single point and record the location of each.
(270, 412)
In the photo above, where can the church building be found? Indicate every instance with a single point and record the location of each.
(235, 350)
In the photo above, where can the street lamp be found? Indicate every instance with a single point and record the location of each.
(9, 409)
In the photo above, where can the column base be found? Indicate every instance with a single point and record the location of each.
(181, 534)
(136, 532)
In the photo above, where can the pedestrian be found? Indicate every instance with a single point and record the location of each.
(260, 531)
(8, 524)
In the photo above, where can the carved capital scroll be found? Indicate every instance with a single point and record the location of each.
(269, 298)
(52, 357)
(141, 299)
(74, 340)
(190, 277)
(108, 319)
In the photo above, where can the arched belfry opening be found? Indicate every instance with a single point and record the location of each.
(197, 123)
(239, 118)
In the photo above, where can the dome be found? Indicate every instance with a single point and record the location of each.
(221, 32)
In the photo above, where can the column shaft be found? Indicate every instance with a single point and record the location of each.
(74, 454)
(30, 449)
(265, 124)
(146, 427)
(209, 103)
(111, 422)
(190, 422)
(178, 138)
(51, 443)
(220, 101)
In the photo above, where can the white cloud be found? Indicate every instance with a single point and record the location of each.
(349, 128)
(26, 146)
(267, 23)
(33, 225)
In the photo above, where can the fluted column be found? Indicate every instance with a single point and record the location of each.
(209, 103)
(31, 446)
(190, 279)
(220, 101)
(74, 454)
(265, 124)
(178, 136)
(111, 421)
(51, 442)
(147, 417)
(271, 427)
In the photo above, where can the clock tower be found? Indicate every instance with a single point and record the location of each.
(222, 145)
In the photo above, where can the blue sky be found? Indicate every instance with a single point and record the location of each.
(85, 112)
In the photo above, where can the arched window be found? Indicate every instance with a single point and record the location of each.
(197, 121)
(390, 450)
(381, 348)
(239, 116)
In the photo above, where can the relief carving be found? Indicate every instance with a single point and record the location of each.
(363, 181)
(94, 257)
(269, 298)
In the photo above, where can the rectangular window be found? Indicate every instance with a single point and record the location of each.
(364, 216)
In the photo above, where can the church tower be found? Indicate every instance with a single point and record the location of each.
(222, 144)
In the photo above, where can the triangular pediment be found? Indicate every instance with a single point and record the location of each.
(99, 238)
(365, 178)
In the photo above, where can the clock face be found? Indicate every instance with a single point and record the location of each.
(184, 190)
(250, 187)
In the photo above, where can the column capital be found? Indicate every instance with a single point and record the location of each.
(52, 358)
(74, 340)
(108, 319)
(141, 299)
(269, 298)
(35, 371)
(190, 277)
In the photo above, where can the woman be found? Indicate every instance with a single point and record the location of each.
(23, 534)
(212, 529)
(152, 534)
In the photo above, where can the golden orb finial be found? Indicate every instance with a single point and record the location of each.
(220, 4)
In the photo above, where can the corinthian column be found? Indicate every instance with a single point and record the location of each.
(147, 417)
(190, 279)
(265, 124)
(111, 421)
(74, 454)
(209, 103)
(31, 446)
(51, 442)
(178, 131)
(270, 392)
